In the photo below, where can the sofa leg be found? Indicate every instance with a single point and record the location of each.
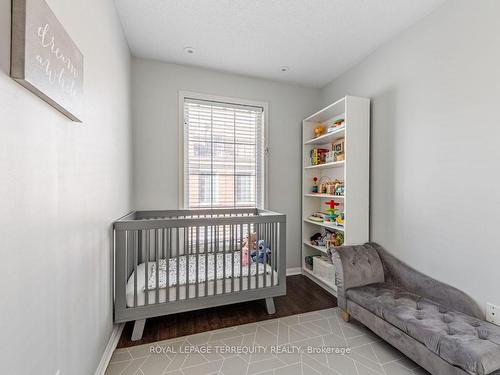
(345, 316)
(138, 329)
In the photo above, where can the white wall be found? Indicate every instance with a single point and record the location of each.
(435, 197)
(156, 135)
(62, 186)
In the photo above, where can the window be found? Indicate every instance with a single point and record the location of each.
(223, 154)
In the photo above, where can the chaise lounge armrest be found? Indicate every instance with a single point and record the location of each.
(356, 266)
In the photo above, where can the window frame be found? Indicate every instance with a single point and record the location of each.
(223, 99)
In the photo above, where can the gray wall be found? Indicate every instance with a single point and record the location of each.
(435, 200)
(62, 185)
(156, 135)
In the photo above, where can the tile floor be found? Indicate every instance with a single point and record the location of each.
(252, 349)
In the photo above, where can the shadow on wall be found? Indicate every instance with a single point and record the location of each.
(5, 18)
(382, 168)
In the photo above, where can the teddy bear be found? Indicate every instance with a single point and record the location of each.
(246, 249)
(262, 253)
(319, 130)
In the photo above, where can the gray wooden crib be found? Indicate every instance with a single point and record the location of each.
(173, 261)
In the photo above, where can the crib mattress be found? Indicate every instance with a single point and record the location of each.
(263, 276)
(205, 264)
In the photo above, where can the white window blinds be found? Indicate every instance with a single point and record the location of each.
(223, 155)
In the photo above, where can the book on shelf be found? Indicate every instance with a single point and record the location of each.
(318, 156)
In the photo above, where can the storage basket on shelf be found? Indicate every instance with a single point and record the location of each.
(323, 268)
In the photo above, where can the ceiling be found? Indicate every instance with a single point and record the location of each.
(317, 39)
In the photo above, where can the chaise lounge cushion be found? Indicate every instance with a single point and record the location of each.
(461, 340)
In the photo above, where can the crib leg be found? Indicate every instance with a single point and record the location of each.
(270, 306)
(138, 329)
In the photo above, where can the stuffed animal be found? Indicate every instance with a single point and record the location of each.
(339, 239)
(262, 253)
(319, 130)
(247, 246)
(316, 238)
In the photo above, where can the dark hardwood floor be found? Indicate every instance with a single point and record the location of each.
(302, 296)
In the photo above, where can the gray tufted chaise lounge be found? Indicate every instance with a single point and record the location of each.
(434, 324)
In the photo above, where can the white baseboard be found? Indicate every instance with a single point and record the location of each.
(293, 271)
(110, 348)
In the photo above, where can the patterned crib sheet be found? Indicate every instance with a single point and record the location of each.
(172, 279)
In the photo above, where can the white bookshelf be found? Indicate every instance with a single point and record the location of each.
(354, 171)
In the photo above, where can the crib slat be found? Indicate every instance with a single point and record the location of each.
(168, 246)
(157, 240)
(281, 266)
(269, 261)
(266, 256)
(191, 248)
(187, 255)
(241, 257)
(177, 269)
(163, 243)
(224, 259)
(146, 266)
(273, 251)
(266, 236)
(205, 249)
(249, 266)
(232, 245)
(259, 234)
(197, 252)
(214, 238)
(136, 246)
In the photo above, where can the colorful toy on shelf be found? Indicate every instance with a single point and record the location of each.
(330, 157)
(329, 239)
(332, 211)
(336, 239)
(330, 186)
(319, 130)
(262, 254)
(324, 185)
(315, 185)
(339, 220)
(339, 122)
(324, 181)
(336, 124)
(337, 188)
(318, 217)
(338, 148)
